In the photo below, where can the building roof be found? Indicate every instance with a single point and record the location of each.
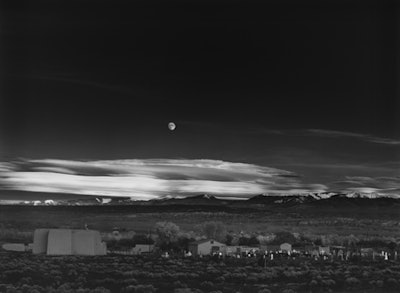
(67, 230)
(201, 241)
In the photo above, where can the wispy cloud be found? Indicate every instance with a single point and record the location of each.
(329, 134)
(151, 178)
(365, 184)
(365, 137)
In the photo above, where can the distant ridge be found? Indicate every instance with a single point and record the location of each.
(325, 198)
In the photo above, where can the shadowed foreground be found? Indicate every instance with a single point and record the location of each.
(29, 273)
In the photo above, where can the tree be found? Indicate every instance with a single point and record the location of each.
(252, 241)
(392, 245)
(167, 233)
(284, 236)
(351, 240)
(318, 241)
(142, 239)
(214, 230)
(183, 242)
(228, 239)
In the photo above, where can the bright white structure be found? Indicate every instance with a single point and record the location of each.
(68, 242)
(14, 247)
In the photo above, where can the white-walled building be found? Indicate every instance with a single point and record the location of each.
(143, 248)
(286, 247)
(68, 242)
(206, 247)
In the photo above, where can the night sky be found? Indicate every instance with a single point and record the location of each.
(305, 91)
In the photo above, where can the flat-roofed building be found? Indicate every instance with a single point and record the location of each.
(68, 242)
(207, 247)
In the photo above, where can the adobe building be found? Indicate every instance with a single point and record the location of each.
(68, 242)
(207, 247)
(40, 241)
(143, 248)
(19, 247)
(286, 247)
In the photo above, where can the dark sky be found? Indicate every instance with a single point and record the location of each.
(306, 86)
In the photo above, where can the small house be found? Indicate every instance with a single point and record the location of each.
(273, 248)
(242, 250)
(367, 251)
(143, 248)
(233, 250)
(337, 250)
(285, 247)
(207, 247)
(14, 247)
(324, 250)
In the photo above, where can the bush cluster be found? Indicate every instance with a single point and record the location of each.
(27, 273)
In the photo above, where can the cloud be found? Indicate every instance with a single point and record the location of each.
(365, 184)
(364, 137)
(151, 178)
(329, 134)
(6, 167)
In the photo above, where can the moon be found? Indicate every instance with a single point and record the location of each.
(171, 126)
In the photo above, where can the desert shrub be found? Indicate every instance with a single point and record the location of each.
(183, 290)
(391, 283)
(352, 281)
(142, 289)
(107, 283)
(252, 279)
(328, 283)
(100, 290)
(313, 283)
(11, 289)
(207, 285)
(37, 288)
(12, 276)
(129, 281)
(64, 288)
(179, 284)
(129, 289)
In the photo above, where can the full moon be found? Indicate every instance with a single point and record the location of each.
(171, 126)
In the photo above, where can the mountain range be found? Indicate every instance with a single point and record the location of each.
(258, 201)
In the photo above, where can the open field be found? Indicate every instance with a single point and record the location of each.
(381, 221)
